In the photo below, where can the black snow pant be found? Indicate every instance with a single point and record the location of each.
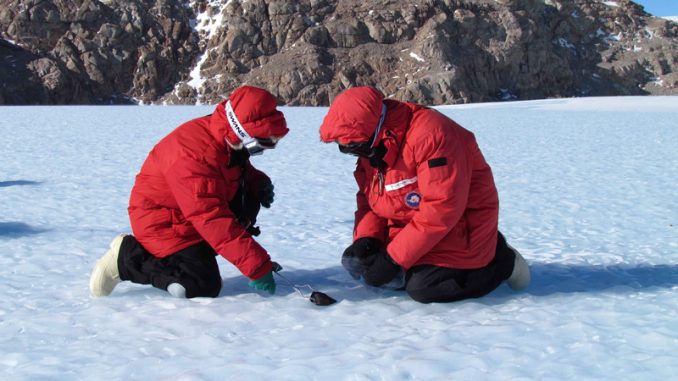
(434, 284)
(194, 267)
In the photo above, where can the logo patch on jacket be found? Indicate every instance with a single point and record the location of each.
(413, 199)
(437, 162)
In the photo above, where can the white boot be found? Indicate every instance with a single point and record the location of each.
(177, 290)
(106, 275)
(520, 277)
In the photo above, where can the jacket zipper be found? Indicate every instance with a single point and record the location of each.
(378, 180)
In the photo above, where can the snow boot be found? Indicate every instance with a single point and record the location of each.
(106, 275)
(177, 290)
(520, 277)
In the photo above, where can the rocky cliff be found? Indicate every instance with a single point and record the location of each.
(307, 51)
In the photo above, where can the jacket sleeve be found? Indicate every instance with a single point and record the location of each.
(367, 223)
(444, 179)
(200, 191)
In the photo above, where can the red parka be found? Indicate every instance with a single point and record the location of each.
(181, 195)
(436, 202)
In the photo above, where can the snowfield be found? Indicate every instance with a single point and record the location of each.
(588, 195)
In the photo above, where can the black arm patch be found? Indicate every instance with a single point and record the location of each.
(437, 162)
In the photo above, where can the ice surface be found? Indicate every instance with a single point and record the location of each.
(588, 195)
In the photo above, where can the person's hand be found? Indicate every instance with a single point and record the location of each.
(352, 258)
(266, 194)
(275, 267)
(265, 283)
(363, 247)
(379, 268)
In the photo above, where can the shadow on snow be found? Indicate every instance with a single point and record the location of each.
(334, 281)
(17, 229)
(547, 279)
(5, 184)
(551, 278)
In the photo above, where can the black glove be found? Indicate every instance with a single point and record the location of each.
(363, 247)
(379, 268)
(275, 267)
(253, 230)
(351, 260)
(237, 157)
(245, 210)
(266, 194)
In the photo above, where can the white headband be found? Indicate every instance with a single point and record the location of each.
(236, 126)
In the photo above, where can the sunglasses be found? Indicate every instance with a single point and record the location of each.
(256, 146)
(364, 149)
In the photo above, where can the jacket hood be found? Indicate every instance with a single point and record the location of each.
(353, 116)
(256, 111)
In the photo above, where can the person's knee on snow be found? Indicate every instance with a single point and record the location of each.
(433, 284)
(189, 290)
(445, 291)
(423, 185)
(198, 185)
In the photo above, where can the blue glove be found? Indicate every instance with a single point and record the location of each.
(265, 283)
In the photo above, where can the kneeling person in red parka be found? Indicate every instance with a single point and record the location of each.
(428, 208)
(197, 196)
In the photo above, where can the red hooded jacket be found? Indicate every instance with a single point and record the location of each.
(436, 202)
(181, 195)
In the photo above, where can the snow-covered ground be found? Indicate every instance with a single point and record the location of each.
(588, 194)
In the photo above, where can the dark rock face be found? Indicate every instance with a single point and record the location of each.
(306, 52)
(96, 51)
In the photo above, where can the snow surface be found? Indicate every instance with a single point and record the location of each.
(588, 195)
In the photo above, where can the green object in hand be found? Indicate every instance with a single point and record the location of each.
(265, 283)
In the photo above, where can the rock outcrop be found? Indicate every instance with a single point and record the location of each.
(306, 52)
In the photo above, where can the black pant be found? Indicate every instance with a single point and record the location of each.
(194, 267)
(434, 284)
